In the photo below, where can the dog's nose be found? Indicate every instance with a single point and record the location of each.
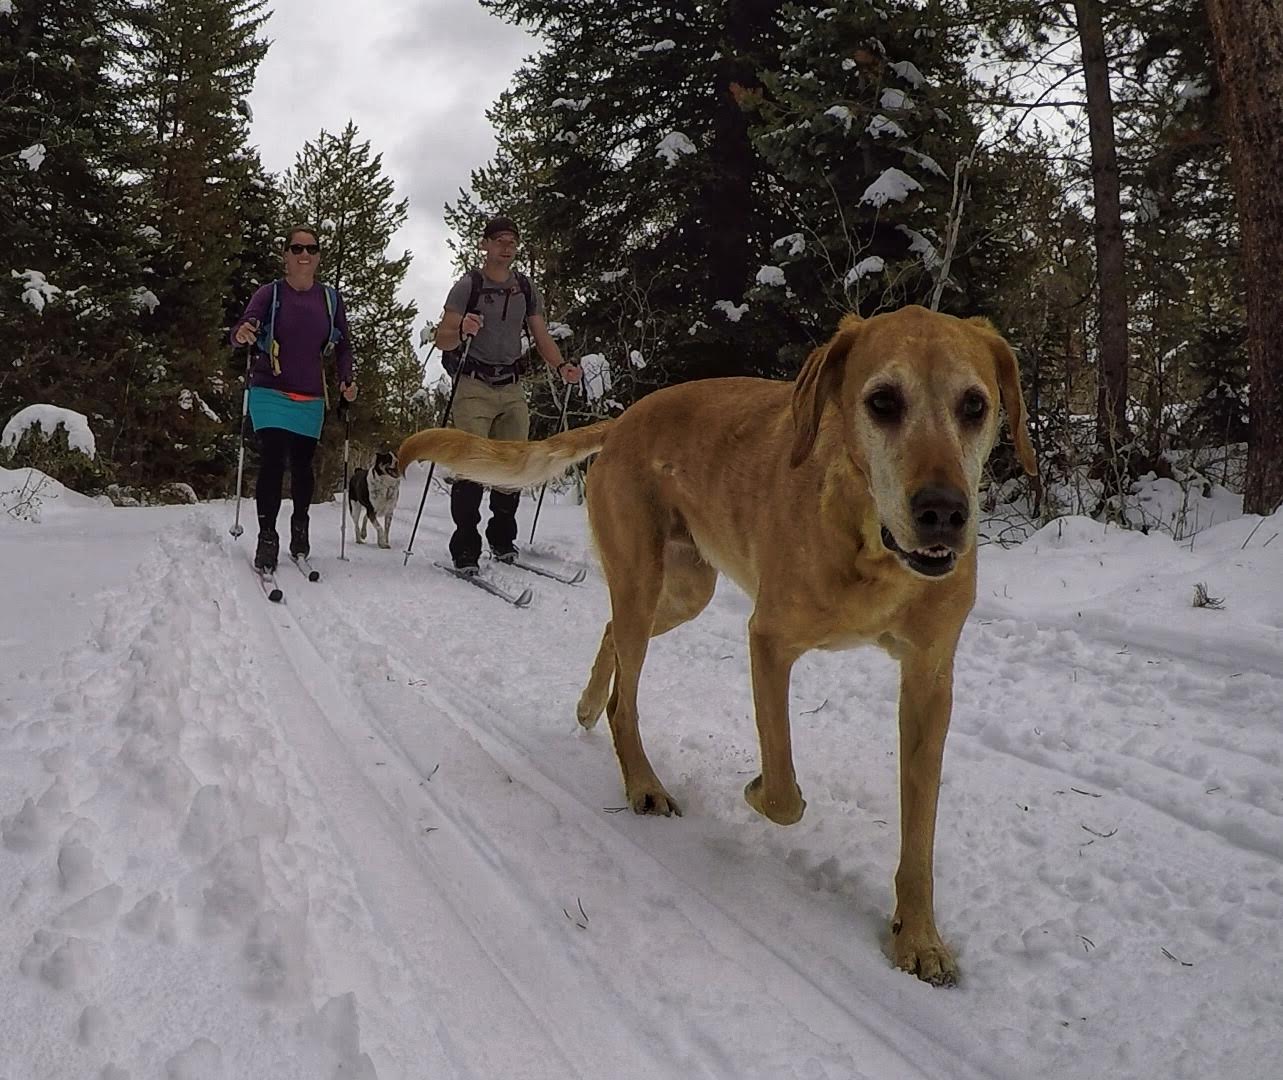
(940, 514)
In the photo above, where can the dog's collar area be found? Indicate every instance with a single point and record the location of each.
(929, 562)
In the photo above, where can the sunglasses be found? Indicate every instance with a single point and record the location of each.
(311, 249)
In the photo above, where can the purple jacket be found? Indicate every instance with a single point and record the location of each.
(302, 330)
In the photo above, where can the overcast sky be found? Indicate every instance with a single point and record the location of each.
(416, 77)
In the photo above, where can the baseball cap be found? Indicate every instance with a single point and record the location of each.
(497, 225)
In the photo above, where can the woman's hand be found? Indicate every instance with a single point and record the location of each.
(246, 333)
(348, 390)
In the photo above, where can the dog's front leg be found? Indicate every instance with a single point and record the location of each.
(774, 793)
(384, 529)
(926, 701)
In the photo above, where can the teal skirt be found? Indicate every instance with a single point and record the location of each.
(271, 409)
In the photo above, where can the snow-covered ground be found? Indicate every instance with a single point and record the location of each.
(360, 834)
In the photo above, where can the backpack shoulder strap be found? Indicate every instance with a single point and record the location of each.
(331, 305)
(266, 342)
(474, 276)
(527, 292)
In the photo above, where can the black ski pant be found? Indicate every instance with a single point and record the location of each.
(465, 509)
(277, 448)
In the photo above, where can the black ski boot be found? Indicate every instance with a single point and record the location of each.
(298, 539)
(269, 547)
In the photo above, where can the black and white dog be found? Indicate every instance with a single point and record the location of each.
(372, 495)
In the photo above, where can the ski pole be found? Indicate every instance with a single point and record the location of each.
(236, 529)
(344, 410)
(454, 386)
(539, 505)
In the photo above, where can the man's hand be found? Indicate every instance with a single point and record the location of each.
(570, 371)
(247, 332)
(470, 325)
(348, 390)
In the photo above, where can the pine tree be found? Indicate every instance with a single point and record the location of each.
(866, 128)
(190, 64)
(70, 284)
(627, 158)
(1249, 59)
(338, 187)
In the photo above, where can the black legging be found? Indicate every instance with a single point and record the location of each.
(276, 446)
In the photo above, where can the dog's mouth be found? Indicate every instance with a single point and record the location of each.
(934, 561)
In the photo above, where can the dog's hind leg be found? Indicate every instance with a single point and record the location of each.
(630, 542)
(688, 586)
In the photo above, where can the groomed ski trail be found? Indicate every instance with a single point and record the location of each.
(537, 919)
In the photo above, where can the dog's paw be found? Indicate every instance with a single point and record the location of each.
(588, 712)
(384, 544)
(653, 800)
(923, 954)
(782, 812)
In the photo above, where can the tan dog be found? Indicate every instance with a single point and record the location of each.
(843, 504)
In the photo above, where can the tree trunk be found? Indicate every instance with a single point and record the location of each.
(1112, 363)
(1248, 40)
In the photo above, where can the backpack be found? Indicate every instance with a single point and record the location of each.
(451, 359)
(266, 343)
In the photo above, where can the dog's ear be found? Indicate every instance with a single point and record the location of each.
(819, 380)
(1013, 399)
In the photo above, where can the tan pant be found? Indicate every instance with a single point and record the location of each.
(496, 412)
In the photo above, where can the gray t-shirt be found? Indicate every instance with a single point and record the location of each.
(503, 311)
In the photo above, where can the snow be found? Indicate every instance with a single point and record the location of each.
(6, 7)
(674, 145)
(881, 125)
(33, 156)
(636, 359)
(873, 264)
(734, 312)
(36, 289)
(348, 836)
(926, 161)
(920, 245)
(189, 399)
(795, 242)
(145, 298)
(596, 381)
(894, 100)
(659, 46)
(772, 276)
(841, 114)
(894, 185)
(50, 418)
(909, 72)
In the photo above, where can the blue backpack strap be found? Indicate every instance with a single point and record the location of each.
(331, 305)
(266, 342)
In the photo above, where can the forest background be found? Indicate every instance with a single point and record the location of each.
(704, 189)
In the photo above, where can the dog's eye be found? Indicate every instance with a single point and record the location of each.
(885, 404)
(973, 407)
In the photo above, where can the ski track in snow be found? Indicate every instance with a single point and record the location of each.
(378, 843)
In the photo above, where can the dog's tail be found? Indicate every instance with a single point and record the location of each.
(500, 462)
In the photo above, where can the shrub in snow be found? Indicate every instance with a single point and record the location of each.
(56, 441)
